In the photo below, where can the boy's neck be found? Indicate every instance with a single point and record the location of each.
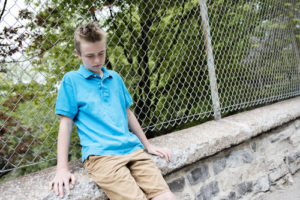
(101, 73)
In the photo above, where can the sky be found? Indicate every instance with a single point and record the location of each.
(11, 12)
(20, 71)
(10, 19)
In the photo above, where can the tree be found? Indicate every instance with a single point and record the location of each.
(158, 48)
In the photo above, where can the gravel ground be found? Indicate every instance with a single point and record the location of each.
(288, 192)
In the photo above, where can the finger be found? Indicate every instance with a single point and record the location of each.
(67, 186)
(166, 156)
(56, 188)
(51, 185)
(168, 153)
(61, 189)
(158, 153)
(162, 153)
(73, 180)
(170, 156)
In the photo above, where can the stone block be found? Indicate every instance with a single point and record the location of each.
(187, 197)
(294, 139)
(253, 146)
(231, 196)
(237, 158)
(198, 175)
(293, 162)
(244, 187)
(282, 133)
(208, 191)
(219, 165)
(177, 185)
(297, 124)
(247, 157)
(262, 184)
(277, 173)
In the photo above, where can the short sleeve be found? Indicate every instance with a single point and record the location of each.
(127, 97)
(66, 103)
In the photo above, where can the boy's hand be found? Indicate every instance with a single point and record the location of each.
(159, 151)
(62, 179)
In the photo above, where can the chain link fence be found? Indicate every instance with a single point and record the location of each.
(184, 62)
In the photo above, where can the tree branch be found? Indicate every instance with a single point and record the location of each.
(121, 43)
(18, 61)
(178, 31)
(127, 23)
(94, 15)
(109, 65)
(2, 12)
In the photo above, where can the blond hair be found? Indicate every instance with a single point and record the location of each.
(89, 32)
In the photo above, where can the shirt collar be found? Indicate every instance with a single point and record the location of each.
(86, 73)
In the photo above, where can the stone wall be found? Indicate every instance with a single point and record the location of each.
(246, 171)
(242, 156)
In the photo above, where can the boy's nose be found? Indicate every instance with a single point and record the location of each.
(97, 59)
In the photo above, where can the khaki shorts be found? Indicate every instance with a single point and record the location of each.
(128, 177)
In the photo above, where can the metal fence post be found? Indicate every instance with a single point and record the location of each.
(294, 42)
(293, 37)
(210, 59)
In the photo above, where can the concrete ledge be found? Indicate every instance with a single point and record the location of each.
(204, 140)
(187, 146)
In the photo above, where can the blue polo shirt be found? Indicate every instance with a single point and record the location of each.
(98, 108)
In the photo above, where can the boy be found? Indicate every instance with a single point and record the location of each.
(98, 102)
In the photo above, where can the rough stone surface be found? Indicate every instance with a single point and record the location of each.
(199, 174)
(260, 156)
(36, 186)
(177, 185)
(262, 184)
(290, 191)
(282, 133)
(253, 146)
(260, 197)
(245, 187)
(94, 192)
(187, 197)
(213, 136)
(237, 158)
(231, 196)
(293, 162)
(219, 165)
(295, 139)
(278, 172)
(207, 192)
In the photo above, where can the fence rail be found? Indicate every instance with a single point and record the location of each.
(182, 61)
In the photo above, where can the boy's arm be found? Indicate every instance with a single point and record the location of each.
(136, 128)
(63, 176)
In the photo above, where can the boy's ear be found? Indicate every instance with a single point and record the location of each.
(77, 53)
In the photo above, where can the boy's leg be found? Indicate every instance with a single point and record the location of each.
(113, 176)
(148, 177)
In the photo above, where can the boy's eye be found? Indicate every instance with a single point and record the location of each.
(89, 56)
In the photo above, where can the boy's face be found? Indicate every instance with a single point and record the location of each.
(92, 55)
